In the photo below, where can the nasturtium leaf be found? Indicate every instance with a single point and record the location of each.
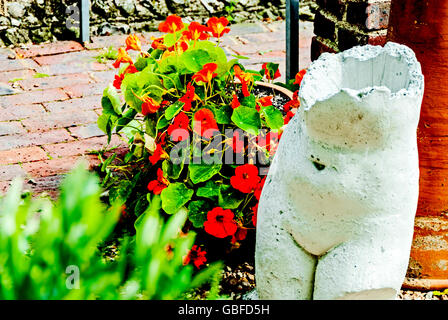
(247, 119)
(203, 172)
(142, 63)
(210, 190)
(228, 198)
(249, 101)
(174, 197)
(150, 126)
(194, 59)
(223, 113)
(127, 117)
(170, 64)
(163, 122)
(130, 130)
(106, 123)
(173, 171)
(172, 80)
(156, 53)
(150, 82)
(111, 100)
(273, 117)
(217, 55)
(173, 110)
(170, 39)
(197, 212)
(131, 91)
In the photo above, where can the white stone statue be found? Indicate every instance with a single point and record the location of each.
(336, 215)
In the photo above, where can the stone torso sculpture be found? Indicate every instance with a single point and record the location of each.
(336, 215)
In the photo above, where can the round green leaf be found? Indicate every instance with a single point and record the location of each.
(210, 190)
(228, 197)
(197, 212)
(247, 119)
(174, 197)
(203, 172)
(273, 116)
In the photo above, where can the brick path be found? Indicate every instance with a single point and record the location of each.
(47, 124)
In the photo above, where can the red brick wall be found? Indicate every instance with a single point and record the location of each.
(342, 24)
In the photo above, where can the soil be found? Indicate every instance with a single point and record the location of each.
(279, 99)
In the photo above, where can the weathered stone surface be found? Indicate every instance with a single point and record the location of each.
(39, 21)
(336, 215)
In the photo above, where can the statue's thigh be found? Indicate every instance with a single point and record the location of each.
(284, 270)
(367, 268)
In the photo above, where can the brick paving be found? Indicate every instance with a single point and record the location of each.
(48, 124)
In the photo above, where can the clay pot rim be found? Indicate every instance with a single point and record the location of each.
(276, 87)
(425, 284)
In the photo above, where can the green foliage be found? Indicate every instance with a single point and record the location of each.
(229, 8)
(107, 54)
(50, 251)
(40, 75)
(247, 119)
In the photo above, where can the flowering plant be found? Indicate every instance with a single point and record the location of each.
(200, 135)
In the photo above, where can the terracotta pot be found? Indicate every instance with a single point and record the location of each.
(423, 26)
(285, 91)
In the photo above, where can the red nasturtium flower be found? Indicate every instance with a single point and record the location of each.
(254, 215)
(239, 235)
(246, 178)
(269, 140)
(288, 117)
(206, 74)
(299, 77)
(158, 154)
(217, 26)
(220, 223)
(149, 105)
(157, 43)
(178, 130)
(130, 69)
(196, 31)
(172, 24)
(293, 103)
(245, 78)
(156, 186)
(196, 255)
(267, 74)
(204, 123)
(161, 138)
(188, 98)
(123, 57)
(119, 78)
(235, 103)
(264, 102)
(257, 192)
(237, 142)
(133, 43)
